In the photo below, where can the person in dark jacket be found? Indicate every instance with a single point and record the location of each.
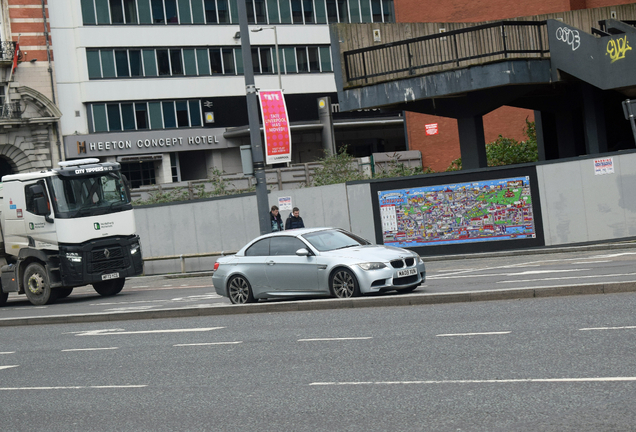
(275, 219)
(294, 220)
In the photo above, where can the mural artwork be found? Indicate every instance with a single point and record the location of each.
(488, 210)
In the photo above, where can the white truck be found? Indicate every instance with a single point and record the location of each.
(67, 227)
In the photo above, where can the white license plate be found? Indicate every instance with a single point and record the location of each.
(407, 272)
(110, 276)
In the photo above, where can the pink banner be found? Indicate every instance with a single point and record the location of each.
(276, 126)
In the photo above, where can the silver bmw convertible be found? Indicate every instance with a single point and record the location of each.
(314, 262)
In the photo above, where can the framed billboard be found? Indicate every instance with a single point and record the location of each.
(462, 212)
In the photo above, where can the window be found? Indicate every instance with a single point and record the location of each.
(139, 173)
(314, 61)
(169, 120)
(228, 61)
(308, 9)
(210, 12)
(116, 12)
(128, 116)
(215, 61)
(285, 245)
(174, 167)
(260, 248)
(297, 11)
(301, 55)
(175, 61)
(33, 191)
(121, 60)
(183, 119)
(141, 115)
(163, 62)
(114, 121)
(135, 63)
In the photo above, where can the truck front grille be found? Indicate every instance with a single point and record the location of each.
(107, 254)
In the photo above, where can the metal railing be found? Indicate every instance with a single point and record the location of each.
(183, 257)
(10, 110)
(7, 50)
(438, 52)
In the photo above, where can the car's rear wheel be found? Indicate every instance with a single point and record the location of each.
(36, 285)
(239, 290)
(343, 284)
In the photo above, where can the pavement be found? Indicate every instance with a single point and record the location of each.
(412, 299)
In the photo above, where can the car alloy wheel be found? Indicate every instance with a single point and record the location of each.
(239, 291)
(344, 284)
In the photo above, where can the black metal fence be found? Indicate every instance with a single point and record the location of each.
(10, 110)
(457, 48)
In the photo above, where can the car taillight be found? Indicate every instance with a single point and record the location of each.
(216, 266)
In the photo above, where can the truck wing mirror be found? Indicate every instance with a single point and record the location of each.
(42, 208)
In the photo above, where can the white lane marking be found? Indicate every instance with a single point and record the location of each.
(475, 334)
(89, 349)
(177, 299)
(7, 367)
(493, 381)
(530, 272)
(8, 352)
(615, 255)
(74, 387)
(608, 328)
(208, 343)
(570, 277)
(591, 262)
(117, 332)
(335, 339)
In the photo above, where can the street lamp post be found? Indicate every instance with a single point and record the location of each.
(257, 29)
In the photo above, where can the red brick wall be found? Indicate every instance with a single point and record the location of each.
(26, 20)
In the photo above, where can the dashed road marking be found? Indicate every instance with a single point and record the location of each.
(490, 381)
(7, 352)
(74, 387)
(120, 332)
(608, 328)
(89, 349)
(475, 334)
(8, 367)
(208, 343)
(334, 339)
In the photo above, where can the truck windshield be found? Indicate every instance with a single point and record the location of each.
(89, 195)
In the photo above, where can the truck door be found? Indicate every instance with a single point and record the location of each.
(40, 226)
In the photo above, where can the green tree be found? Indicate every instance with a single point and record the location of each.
(339, 168)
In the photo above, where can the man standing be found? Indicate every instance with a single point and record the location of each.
(275, 219)
(294, 220)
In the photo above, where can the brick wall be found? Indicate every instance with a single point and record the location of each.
(27, 22)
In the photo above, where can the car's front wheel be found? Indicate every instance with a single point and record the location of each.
(343, 284)
(239, 290)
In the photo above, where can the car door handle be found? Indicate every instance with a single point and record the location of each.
(270, 262)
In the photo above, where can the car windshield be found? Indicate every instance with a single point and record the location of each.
(333, 239)
(89, 195)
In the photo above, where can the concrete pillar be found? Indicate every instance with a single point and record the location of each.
(326, 120)
(472, 143)
(547, 143)
(593, 119)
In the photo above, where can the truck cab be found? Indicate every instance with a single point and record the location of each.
(67, 227)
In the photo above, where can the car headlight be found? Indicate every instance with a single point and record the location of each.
(371, 266)
(419, 260)
(134, 248)
(74, 257)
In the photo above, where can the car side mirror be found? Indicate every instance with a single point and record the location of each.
(303, 252)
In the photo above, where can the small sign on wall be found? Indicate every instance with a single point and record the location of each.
(604, 166)
(431, 129)
(284, 203)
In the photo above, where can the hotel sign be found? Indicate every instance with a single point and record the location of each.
(135, 143)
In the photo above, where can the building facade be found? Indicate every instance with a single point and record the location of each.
(158, 85)
(28, 113)
(440, 149)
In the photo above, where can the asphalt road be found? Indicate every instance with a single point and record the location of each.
(472, 273)
(547, 364)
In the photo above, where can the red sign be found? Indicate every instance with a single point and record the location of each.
(431, 129)
(276, 126)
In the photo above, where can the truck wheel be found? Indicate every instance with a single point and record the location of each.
(109, 287)
(63, 292)
(36, 285)
(3, 297)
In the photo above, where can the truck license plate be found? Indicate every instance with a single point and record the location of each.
(110, 276)
(406, 272)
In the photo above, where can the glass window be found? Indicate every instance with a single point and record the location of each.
(387, 9)
(285, 245)
(114, 121)
(272, 11)
(171, 12)
(141, 115)
(332, 11)
(249, 8)
(266, 60)
(150, 63)
(156, 119)
(376, 9)
(121, 60)
(145, 16)
(183, 119)
(128, 116)
(99, 118)
(198, 14)
(260, 248)
(108, 63)
(103, 16)
(365, 9)
(355, 11)
(130, 11)
(215, 61)
(139, 173)
(223, 11)
(116, 12)
(163, 62)
(135, 63)
(285, 11)
(256, 62)
(174, 166)
(88, 12)
(228, 61)
(210, 12)
(190, 62)
(33, 191)
(314, 61)
(321, 12)
(94, 65)
(261, 16)
(233, 10)
(239, 60)
(297, 11)
(308, 9)
(184, 12)
(169, 120)
(195, 113)
(158, 16)
(343, 11)
(301, 57)
(325, 59)
(203, 62)
(175, 60)
(290, 60)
